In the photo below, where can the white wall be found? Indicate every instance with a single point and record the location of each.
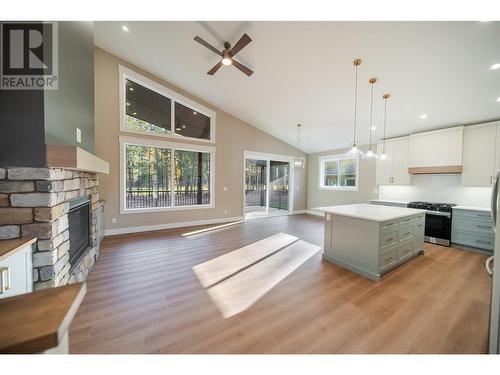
(438, 188)
(317, 197)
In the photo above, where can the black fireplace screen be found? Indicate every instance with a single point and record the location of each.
(79, 229)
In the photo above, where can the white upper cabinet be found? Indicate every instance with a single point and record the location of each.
(436, 148)
(480, 153)
(394, 169)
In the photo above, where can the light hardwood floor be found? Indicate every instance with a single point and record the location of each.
(143, 297)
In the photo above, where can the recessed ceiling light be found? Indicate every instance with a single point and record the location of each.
(374, 128)
(183, 126)
(124, 28)
(128, 103)
(134, 113)
(495, 66)
(498, 99)
(177, 129)
(423, 117)
(194, 113)
(131, 88)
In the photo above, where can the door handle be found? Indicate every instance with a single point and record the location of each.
(487, 265)
(494, 201)
(4, 279)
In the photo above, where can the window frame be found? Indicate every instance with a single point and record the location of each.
(173, 146)
(128, 74)
(337, 158)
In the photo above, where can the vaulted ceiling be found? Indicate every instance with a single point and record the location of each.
(304, 73)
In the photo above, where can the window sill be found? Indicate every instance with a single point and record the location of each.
(127, 211)
(339, 188)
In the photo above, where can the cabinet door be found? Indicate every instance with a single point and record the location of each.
(384, 167)
(479, 156)
(15, 274)
(400, 153)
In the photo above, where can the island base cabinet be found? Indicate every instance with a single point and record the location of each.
(371, 248)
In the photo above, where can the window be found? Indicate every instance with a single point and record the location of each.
(150, 108)
(158, 175)
(338, 172)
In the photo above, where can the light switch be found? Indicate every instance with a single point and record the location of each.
(78, 135)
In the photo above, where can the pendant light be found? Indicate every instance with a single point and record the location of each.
(299, 161)
(371, 155)
(355, 151)
(383, 156)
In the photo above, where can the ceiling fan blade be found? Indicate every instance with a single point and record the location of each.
(243, 68)
(244, 40)
(208, 45)
(215, 68)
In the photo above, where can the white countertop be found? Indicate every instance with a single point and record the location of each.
(485, 209)
(368, 211)
(389, 201)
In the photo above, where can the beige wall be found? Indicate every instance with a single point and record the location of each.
(233, 136)
(317, 198)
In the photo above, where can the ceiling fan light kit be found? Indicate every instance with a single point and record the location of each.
(227, 54)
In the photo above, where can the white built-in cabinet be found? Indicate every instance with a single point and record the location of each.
(436, 148)
(394, 169)
(481, 154)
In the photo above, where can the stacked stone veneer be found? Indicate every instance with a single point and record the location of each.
(35, 202)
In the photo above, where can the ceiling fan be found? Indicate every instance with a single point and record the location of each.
(227, 54)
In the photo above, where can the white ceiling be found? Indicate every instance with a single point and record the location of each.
(304, 72)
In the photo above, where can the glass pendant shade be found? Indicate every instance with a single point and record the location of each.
(299, 162)
(354, 151)
(370, 155)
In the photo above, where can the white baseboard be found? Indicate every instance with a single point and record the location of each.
(148, 228)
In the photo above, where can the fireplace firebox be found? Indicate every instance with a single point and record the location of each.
(79, 221)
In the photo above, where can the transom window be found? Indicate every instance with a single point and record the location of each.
(158, 175)
(338, 172)
(150, 108)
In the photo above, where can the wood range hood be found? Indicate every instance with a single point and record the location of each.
(74, 157)
(445, 169)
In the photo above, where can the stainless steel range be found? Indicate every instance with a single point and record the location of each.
(437, 221)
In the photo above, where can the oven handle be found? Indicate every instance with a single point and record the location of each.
(494, 201)
(438, 213)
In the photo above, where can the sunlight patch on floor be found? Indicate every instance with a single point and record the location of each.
(211, 229)
(237, 280)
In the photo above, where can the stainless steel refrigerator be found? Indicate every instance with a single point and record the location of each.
(493, 267)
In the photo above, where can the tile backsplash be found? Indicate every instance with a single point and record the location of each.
(438, 188)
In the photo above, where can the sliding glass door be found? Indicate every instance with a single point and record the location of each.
(266, 187)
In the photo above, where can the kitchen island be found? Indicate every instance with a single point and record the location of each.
(372, 239)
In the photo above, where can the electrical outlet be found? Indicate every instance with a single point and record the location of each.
(225, 211)
(225, 188)
(113, 220)
(78, 135)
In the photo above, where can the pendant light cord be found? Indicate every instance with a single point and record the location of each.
(371, 116)
(385, 117)
(355, 101)
(298, 140)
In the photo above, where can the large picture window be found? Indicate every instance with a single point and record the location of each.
(338, 172)
(150, 108)
(159, 175)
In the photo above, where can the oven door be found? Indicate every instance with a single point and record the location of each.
(438, 228)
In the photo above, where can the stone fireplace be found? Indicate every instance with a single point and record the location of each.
(59, 207)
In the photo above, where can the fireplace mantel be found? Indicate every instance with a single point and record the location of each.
(76, 158)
